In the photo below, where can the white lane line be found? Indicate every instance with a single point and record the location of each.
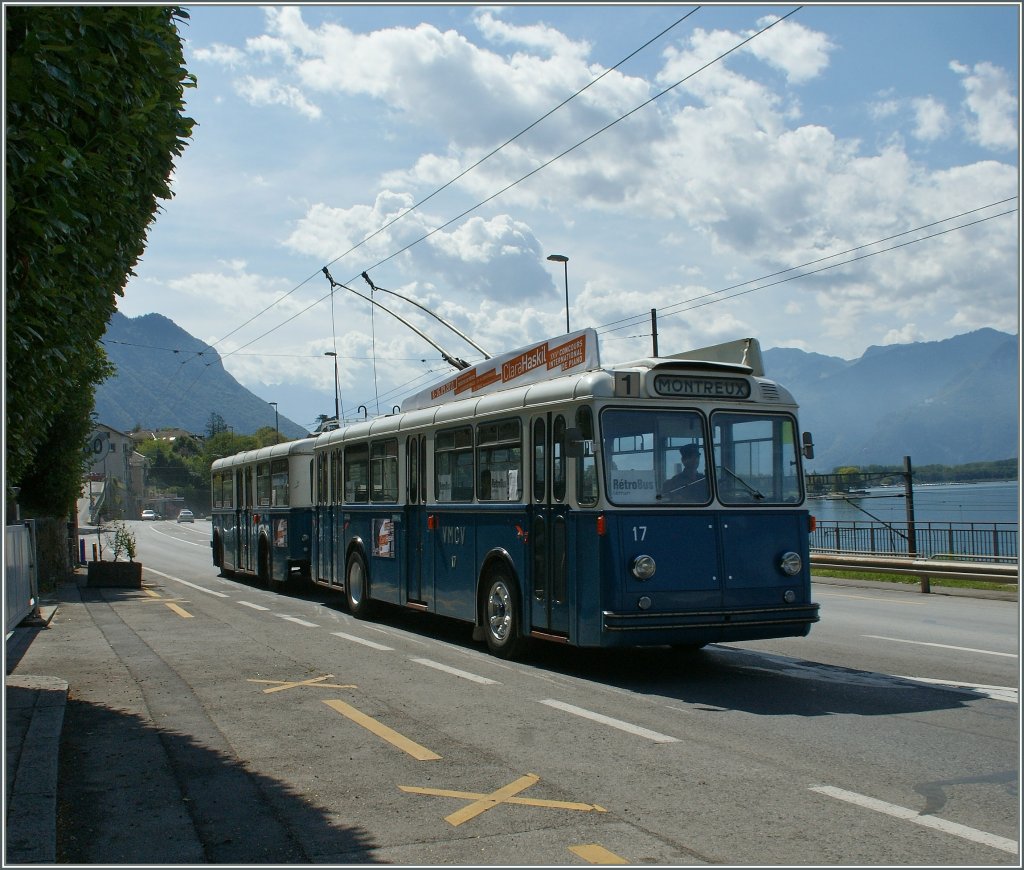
(363, 641)
(182, 540)
(614, 723)
(957, 830)
(997, 693)
(253, 605)
(186, 583)
(986, 652)
(296, 620)
(466, 675)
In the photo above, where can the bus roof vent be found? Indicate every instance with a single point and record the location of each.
(769, 391)
(743, 351)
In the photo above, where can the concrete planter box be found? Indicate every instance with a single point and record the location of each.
(127, 575)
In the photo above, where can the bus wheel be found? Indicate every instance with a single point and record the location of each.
(218, 552)
(357, 586)
(502, 627)
(266, 568)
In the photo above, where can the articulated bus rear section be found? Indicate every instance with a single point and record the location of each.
(262, 513)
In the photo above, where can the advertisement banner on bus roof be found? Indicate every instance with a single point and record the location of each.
(566, 354)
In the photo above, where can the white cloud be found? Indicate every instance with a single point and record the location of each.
(223, 55)
(932, 119)
(991, 102)
(269, 92)
(801, 53)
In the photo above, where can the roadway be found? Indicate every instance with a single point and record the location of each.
(211, 721)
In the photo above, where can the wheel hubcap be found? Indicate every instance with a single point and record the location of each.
(499, 612)
(355, 584)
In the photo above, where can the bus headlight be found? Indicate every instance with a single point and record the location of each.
(643, 567)
(791, 563)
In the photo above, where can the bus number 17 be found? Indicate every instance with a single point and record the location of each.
(639, 533)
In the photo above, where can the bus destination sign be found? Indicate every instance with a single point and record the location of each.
(695, 387)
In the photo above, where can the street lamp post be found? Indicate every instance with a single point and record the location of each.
(561, 258)
(277, 428)
(337, 413)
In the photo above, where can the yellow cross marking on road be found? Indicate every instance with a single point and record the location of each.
(281, 685)
(594, 854)
(184, 614)
(480, 803)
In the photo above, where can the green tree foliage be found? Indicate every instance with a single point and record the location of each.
(95, 101)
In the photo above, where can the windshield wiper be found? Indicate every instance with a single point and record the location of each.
(754, 492)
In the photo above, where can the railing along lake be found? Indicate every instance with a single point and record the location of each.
(994, 542)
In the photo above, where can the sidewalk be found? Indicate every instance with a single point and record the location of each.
(34, 715)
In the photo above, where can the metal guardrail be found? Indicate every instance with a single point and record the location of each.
(963, 540)
(926, 569)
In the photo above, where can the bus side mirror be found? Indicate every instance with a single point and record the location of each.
(808, 446)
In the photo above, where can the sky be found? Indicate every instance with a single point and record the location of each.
(829, 178)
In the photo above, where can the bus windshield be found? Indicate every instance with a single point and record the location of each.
(663, 457)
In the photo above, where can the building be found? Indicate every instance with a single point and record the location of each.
(115, 481)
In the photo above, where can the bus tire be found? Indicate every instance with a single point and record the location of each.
(218, 552)
(357, 586)
(266, 568)
(501, 615)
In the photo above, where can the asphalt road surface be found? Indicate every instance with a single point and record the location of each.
(211, 721)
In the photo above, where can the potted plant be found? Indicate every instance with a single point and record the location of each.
(126, 574)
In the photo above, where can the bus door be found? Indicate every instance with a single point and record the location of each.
(322, 519)
(245, 529)
(418, 581)
(548, 539)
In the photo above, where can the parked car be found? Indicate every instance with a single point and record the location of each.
(149, 515)
(186, 516)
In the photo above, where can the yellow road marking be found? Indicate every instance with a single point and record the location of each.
(151, 593)
(594, 854)
(420, 753)
(184, 614)
(480, 803)
(284, 684)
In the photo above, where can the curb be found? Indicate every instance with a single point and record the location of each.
(35, 707)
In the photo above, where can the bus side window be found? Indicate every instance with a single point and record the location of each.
(279, 483)
(453, 465)
(558, 459)
(384, 471)
(412, 461)
(357, 474)
(540, 492)
(499, 460)
(586, 465)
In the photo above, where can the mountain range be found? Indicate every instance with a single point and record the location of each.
(941, 402)
(167, 378)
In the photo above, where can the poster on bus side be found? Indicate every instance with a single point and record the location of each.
(566, 354)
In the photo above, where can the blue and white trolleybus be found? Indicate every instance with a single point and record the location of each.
(543, 495)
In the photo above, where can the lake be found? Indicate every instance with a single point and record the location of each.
(990, 502)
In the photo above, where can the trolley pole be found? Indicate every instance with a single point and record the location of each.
(654, 329)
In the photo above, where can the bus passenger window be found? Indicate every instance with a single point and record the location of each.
(453, 465)
(384, 471)
(263, 484)
(558, 459)
(412, 461)
(499, 458)
(279, 483)
(586, 465)
(540, 465)
(357, 474)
